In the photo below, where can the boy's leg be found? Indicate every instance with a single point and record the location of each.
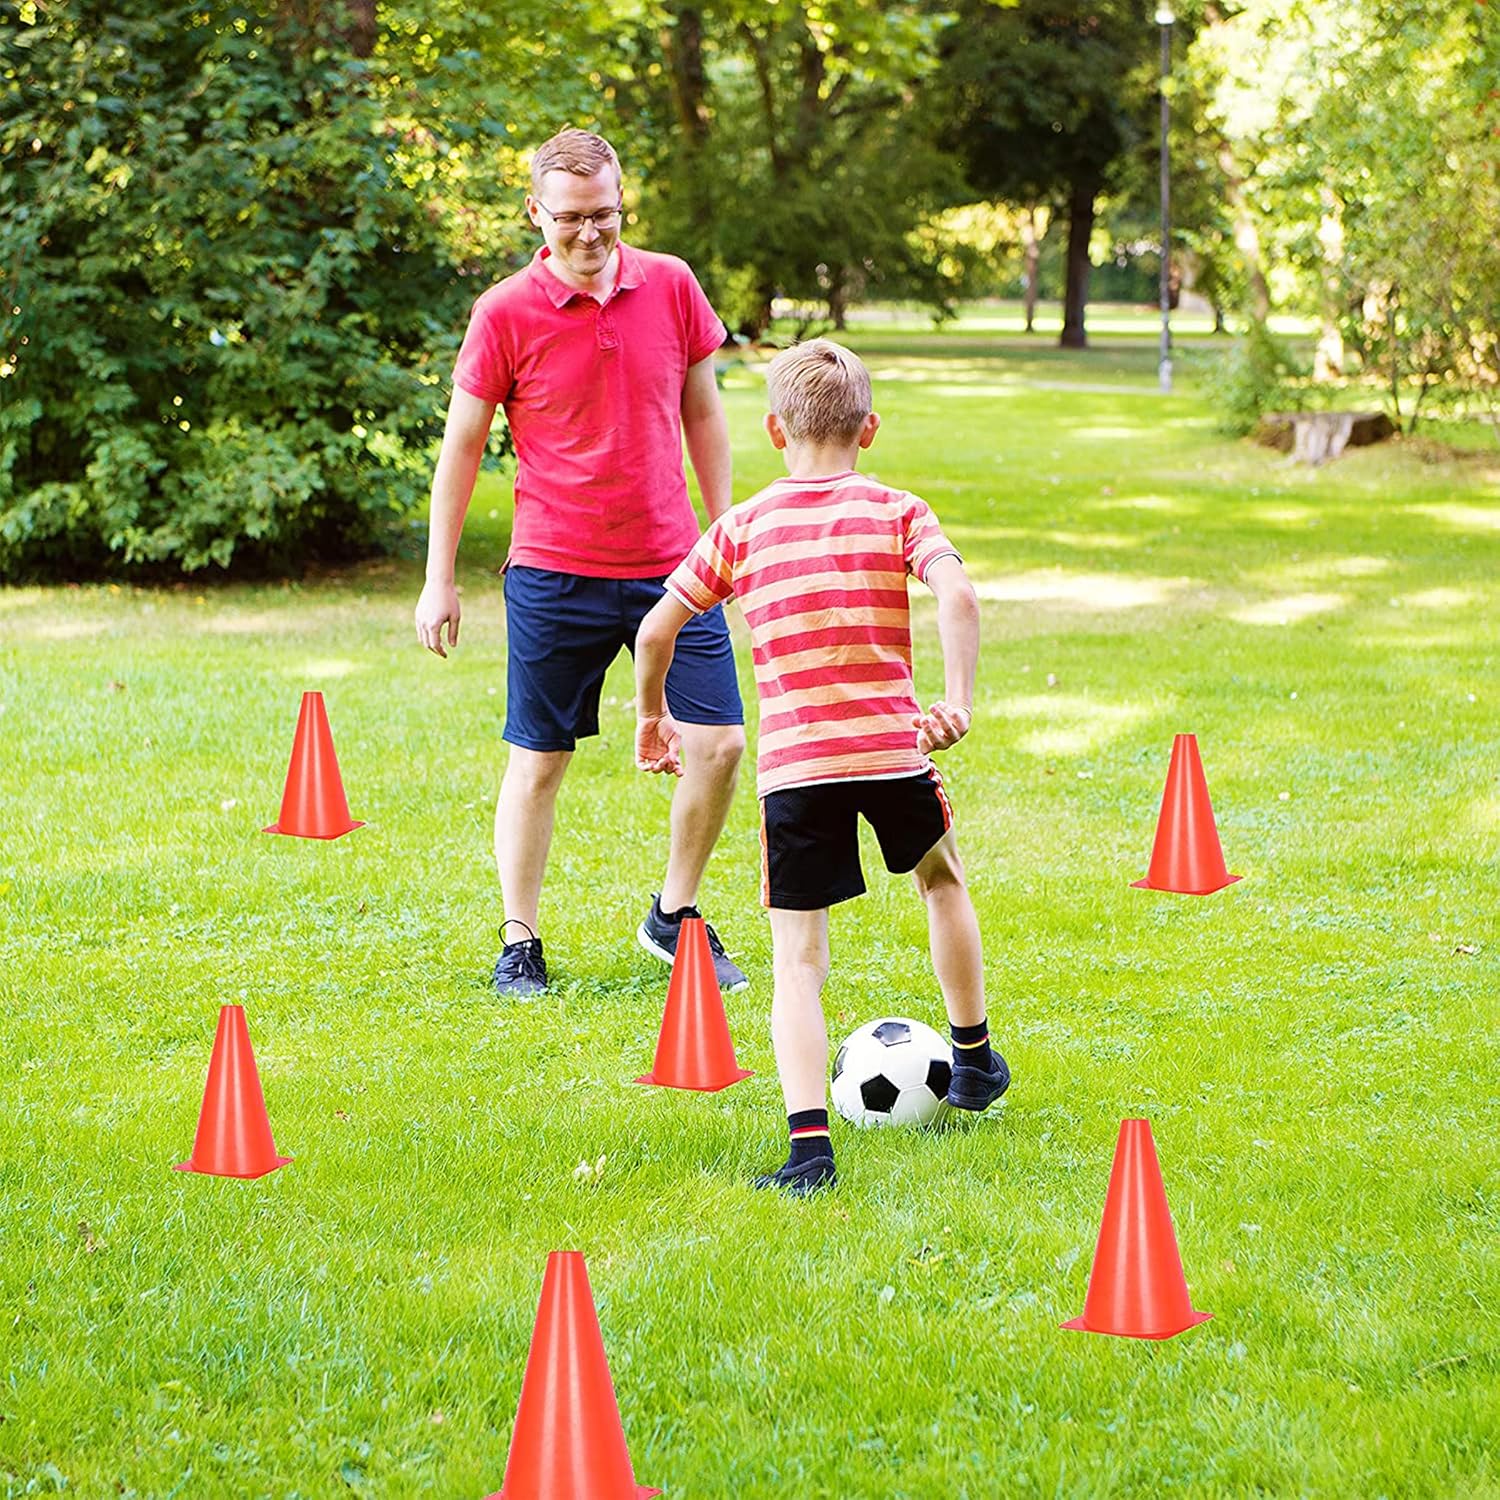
(799, 947)
(952, 931)
(799, 941)
(980, 1075)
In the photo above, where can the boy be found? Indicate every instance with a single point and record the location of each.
(819, 562)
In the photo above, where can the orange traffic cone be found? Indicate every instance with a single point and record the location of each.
(694, 1050)
(568, 1443)
(313, 806)
(1136, 1288)
(1186, 857)
(234, 1134)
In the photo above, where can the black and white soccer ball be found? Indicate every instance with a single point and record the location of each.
(893, 1072)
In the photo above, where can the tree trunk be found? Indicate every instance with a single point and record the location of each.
(1076, 294)
(1033, 246)
(1246, 235)
(694, 198)
(1328, 361)
(838, 301)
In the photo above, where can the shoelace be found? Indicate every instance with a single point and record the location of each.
(714, 945)
(528, 960)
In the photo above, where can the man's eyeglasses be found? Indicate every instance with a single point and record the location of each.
(604, 220)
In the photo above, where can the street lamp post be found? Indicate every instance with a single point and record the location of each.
(1164, 19)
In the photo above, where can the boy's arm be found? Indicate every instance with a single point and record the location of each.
(948, 720)
(658, 741)
(464, 437)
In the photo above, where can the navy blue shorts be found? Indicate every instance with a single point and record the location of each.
(564, 630)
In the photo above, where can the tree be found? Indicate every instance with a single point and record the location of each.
(238, 246)
(1364, 138)
(1042, 99)
(778, 153)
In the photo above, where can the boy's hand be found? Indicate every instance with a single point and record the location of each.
(658, 744)
(942, 726)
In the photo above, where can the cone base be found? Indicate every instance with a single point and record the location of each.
(642, 1492)
(1079, 1325)
(1145, 885)
(187, 1166)
(653, 1082)
(277, 828)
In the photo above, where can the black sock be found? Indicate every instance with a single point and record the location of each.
(675, 916)
(971, 1046)
(808, 1129)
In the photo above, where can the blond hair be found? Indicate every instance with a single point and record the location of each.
(820, 390)
(575, 151)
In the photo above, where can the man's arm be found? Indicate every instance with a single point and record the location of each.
(948, 720)
(464, 437)
(706, 429)
(657, 739)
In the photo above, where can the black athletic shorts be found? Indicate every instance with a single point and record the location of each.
(809, 835)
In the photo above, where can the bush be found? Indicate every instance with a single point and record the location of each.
(1254, 376)
(232, 306)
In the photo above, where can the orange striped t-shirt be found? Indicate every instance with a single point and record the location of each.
(820, 567)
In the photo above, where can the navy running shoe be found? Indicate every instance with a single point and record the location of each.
(974, 1088)
(658, 935)
(521, 970)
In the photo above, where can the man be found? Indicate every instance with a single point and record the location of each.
(602, 356)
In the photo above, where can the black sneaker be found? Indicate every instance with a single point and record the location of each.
(975, 1089)
(520, 971)
(659, 936)
(804, 1180)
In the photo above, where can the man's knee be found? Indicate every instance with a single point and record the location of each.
(716, 748)
(535, 773)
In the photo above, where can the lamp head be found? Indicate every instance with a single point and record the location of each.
(1164, 16)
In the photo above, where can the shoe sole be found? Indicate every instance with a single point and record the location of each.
(798, 1187)
(974, 1106)
(509, 994)
(654, 948)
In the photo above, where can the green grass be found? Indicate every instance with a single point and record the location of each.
(1315, 1047)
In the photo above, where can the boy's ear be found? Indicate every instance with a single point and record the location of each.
(774, 430)
(868, 431)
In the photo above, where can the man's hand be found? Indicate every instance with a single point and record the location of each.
(942, 727)
(437, 607)
(658, 744)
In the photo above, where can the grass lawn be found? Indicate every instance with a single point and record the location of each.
(1315, 1047)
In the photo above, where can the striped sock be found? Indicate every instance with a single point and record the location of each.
(808, 1129)
(971, 1046)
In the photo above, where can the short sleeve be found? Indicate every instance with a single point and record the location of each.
(703, 331)
(924, 541)
(483, 367)
(705, 577)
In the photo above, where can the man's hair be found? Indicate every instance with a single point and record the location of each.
(575, 151)
(820, 390)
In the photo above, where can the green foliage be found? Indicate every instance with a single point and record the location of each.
(778, 151)
(1256, 374)
(1364, 136)
(231, 296)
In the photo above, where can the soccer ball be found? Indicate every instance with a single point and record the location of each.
(893, 1072)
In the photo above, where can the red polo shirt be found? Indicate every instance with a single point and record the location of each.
(593, 395)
